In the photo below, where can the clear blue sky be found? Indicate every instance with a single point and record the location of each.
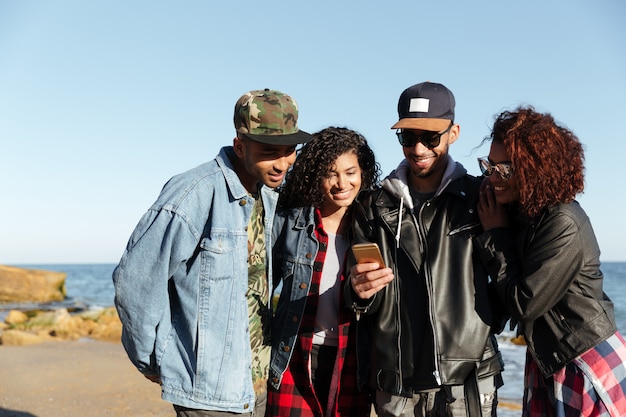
(102, 101)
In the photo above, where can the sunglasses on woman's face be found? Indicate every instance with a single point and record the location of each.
(504, 169)
(409, 138)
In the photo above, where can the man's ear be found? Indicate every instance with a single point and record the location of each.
(454, 133)
(238, 146)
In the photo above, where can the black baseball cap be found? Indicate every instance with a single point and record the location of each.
(425, 106)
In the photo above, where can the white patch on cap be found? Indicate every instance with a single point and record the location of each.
(419, 105)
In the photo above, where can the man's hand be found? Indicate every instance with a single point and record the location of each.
(367, 279)
(154, 378)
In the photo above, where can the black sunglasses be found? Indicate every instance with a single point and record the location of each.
(409, 138)
(504, 169)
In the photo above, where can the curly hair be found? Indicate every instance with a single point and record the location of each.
(315, 161)
(548, 159)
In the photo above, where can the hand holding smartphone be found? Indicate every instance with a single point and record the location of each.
(367, 253)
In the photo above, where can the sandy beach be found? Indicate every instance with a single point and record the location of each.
(86, 378)
(80, 378)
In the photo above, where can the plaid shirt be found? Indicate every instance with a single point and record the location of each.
(593, 384)
(296, 396)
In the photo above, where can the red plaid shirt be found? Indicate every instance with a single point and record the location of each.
(296, 396)
(592, 385)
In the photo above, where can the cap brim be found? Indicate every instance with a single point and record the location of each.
(291, 139)
(434, 125)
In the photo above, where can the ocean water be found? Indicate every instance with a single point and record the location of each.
(89, 286)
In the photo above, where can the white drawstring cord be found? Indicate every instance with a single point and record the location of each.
(399, 222)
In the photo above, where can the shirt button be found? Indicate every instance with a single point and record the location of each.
(309, 255)
(294, 319)
(243, 202)
(246, 406)
(286, 349)
(302, 285)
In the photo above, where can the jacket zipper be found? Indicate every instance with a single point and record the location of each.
(398, 315)
(429, 289)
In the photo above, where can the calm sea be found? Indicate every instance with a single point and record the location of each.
(89, 286)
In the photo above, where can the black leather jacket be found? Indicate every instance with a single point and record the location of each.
(548, 275)
(434, 320)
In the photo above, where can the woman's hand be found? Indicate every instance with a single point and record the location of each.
(491, 214)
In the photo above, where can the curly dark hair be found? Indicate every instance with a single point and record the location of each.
(316, 159)
(548, 159)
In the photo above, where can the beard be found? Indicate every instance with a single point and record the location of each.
(425, 173)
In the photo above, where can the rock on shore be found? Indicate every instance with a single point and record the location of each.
(31, 285)
(37, 326)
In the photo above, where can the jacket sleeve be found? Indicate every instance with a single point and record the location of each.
(531, 285)
(157, 247)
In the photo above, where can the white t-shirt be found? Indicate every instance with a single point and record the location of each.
(327, 316)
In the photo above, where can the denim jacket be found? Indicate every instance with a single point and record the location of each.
(180, 288)
(295, 248)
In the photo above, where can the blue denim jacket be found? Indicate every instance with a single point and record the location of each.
(295, 249)
(180, 288)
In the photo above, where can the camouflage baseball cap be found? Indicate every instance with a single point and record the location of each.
(269, 116)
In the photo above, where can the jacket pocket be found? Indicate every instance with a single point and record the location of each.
(388, 380)
(490, 366)
(470, 230)
(286, 268)
(220, 256)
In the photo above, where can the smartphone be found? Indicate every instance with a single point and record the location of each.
(368, 252)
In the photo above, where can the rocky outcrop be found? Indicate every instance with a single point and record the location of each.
(31, 285)
(32, 327)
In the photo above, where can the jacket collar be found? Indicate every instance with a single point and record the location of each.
(303, 217)
(235, 187)
(397, 182)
